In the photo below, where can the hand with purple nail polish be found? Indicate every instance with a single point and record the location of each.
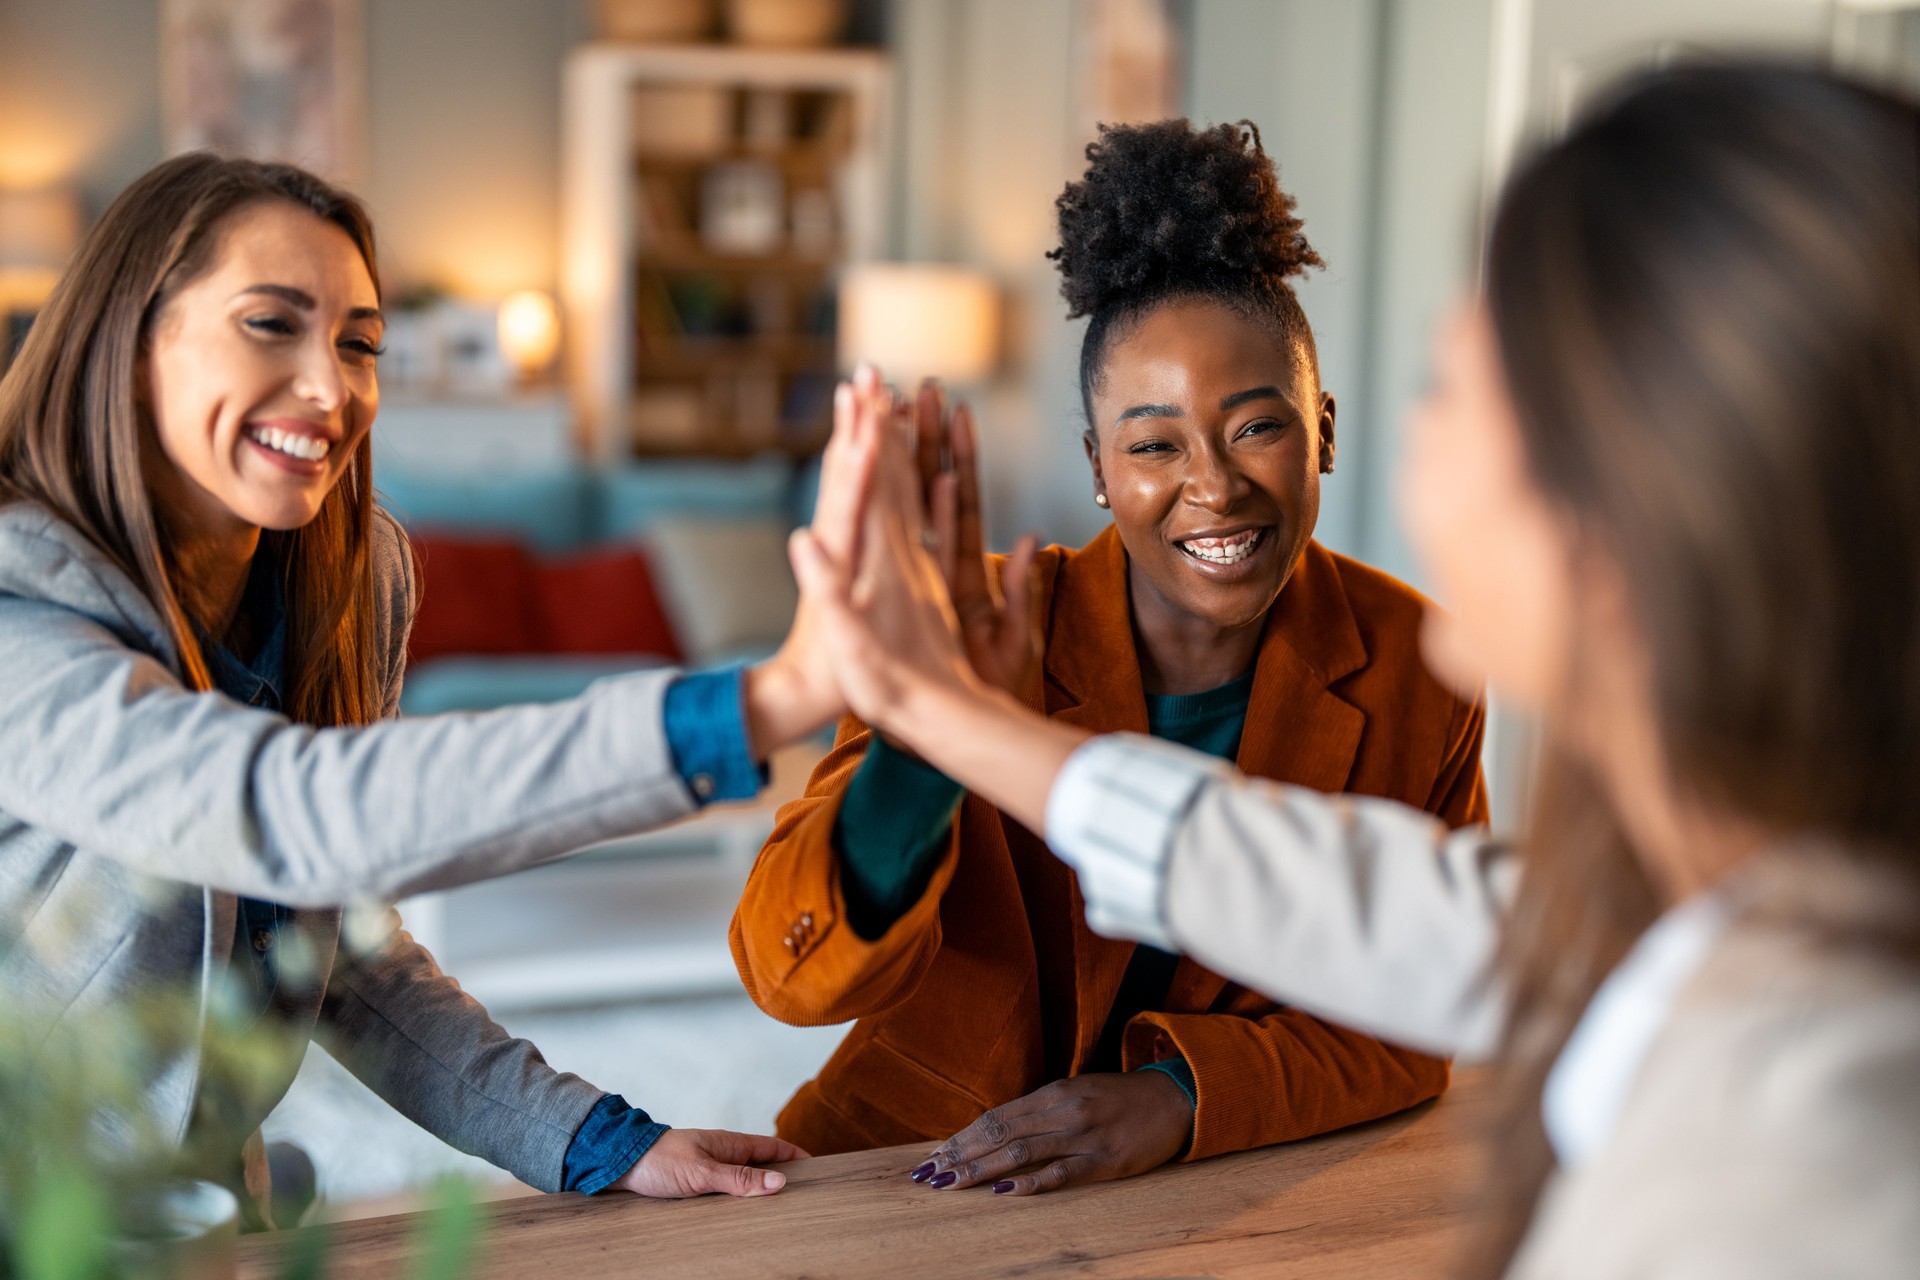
(1085, 1129)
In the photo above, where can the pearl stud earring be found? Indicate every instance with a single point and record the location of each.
(1100, 499)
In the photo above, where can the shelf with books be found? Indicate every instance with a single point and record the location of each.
(713, 197)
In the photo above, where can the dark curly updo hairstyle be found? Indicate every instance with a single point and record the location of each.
(1169, 211)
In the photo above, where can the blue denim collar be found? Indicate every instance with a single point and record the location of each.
(258, 683)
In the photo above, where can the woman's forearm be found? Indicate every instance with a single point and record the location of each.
(1364, 911)
(985, 740)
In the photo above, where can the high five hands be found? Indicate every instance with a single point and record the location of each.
(892, 573)
(929, 649)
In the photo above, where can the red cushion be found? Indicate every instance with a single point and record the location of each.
(600, 601)
(476, 596)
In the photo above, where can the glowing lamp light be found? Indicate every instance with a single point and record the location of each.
(39, 230)
(529, 332)
(919, 320)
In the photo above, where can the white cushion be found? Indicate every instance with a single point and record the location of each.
(726, 583)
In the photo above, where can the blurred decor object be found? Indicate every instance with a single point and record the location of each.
(182, 1229)
(269, 79)
(791, 24)
(656, 21)
(766, 121)
(919, 320)
(473, 362)
(39, 230)
(814, 228)
(1129, 62)
(681, 119)
(529, 326)
(742, 208)
(412, 360)
(668, 416)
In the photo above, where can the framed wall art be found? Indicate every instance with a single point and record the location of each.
(269, 79)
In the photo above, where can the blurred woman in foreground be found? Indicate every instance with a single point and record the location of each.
(1669, 481)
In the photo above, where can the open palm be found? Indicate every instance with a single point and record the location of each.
(995, 618)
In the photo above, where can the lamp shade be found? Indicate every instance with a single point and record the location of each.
(919, 320)
(529, 330)
(39, 230)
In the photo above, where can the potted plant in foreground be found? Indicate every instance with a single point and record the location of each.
(89, 1190)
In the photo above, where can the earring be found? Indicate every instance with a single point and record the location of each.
(1099, 499)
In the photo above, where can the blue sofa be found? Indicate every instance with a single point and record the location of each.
(561, 508)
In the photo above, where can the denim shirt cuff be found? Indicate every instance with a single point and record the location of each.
(609, 1142)
(705, 720)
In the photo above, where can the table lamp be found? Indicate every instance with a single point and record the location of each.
(529, 333)
(39, 230)
(919, 320)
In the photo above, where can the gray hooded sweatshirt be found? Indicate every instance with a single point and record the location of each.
(135, 812)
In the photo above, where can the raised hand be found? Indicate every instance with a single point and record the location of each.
(698, 1162)
(795, 692)
(1085, 1129)
(864, 569)
(996, 618)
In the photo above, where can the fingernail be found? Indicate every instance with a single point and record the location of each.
(843, 397)
(1001, 1188)
(924, 1172)
(775, 1180)
(941, 1181)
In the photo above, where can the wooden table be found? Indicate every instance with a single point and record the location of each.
(1384, 1199)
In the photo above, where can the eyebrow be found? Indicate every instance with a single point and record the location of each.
(1233, 401)
(302, 299)
(1147, 411)
(1239, 398)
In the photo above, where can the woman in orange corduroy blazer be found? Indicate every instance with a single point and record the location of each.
(989, 1014)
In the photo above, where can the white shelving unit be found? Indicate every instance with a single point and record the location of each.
(602, 226)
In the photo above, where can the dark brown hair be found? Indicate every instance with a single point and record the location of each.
(1707, 303)
(72, 431)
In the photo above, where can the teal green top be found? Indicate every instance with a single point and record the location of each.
(899, 811)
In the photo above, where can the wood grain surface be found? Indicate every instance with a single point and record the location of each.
(1384, 1199)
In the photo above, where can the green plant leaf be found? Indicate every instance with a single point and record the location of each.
(306, 1256)
(449, 1233)
(64, 1227)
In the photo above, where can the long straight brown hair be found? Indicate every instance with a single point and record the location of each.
(1707, 303)
(73, 433)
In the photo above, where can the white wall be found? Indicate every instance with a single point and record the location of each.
(1375, 111)
(462, 122)
(1307, 73)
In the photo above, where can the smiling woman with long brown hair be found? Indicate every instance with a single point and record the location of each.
(203, 617)
(1669, 479)
(989, 1015)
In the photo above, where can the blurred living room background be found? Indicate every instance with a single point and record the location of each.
(626, 247)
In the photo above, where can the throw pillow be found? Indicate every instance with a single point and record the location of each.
(601, 601)
(476, 596)
(726, 583)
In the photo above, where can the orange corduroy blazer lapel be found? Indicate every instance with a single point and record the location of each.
(1298, 729)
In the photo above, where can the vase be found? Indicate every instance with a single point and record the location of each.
(789, 24)
(656, 21)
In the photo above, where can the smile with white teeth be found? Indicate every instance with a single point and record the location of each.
(292, 443)
(1230, 550)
